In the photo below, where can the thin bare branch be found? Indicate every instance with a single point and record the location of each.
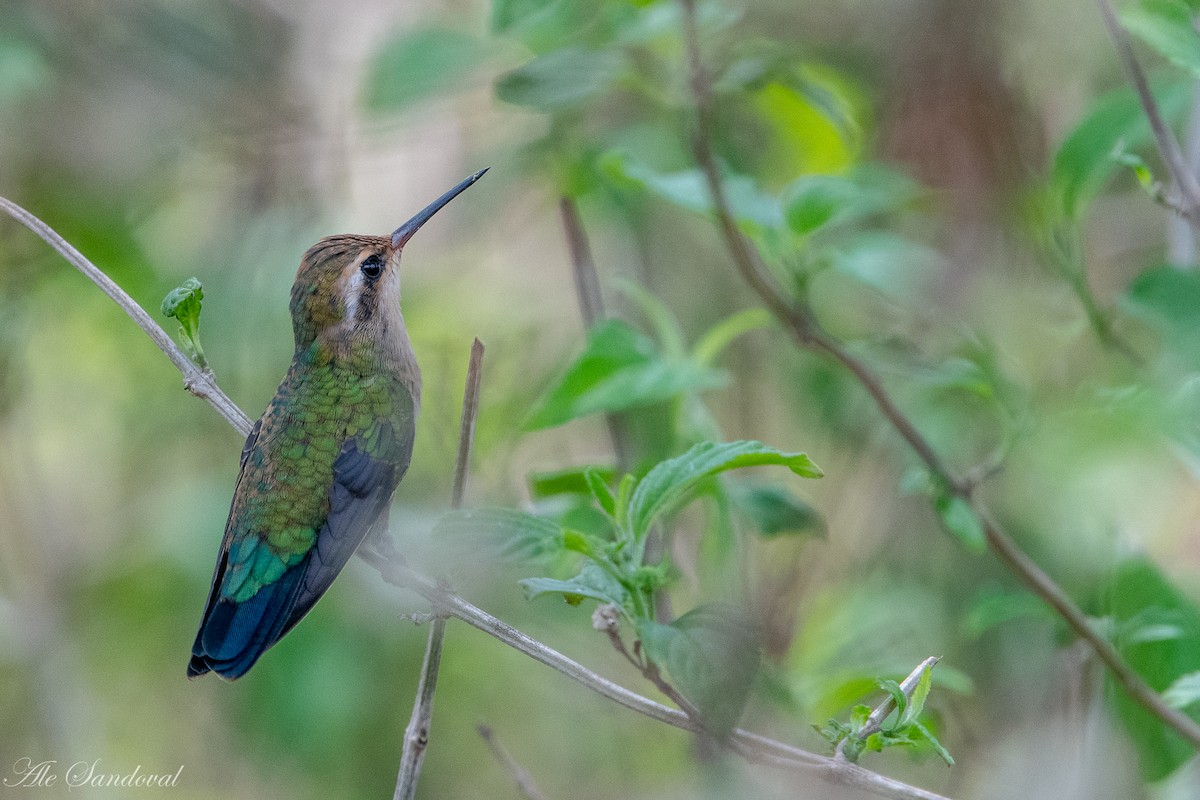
(583, 265)
(591, 305)
(751, 746)
(799, 321)
(1168, 145)
(519, 774)
(466, 433)
(416, 735)
(754, 747)
(197, 381)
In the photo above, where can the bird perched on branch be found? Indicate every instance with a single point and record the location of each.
(319, 467)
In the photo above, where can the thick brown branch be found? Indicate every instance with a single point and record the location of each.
(807, 334)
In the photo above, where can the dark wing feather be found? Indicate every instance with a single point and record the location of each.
(361, 493)
(234, 635)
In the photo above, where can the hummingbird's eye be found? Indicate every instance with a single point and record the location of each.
(372, 267)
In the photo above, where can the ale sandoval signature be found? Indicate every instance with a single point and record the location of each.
(30, 773)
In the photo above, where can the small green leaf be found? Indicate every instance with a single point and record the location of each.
(579, 542)
(916, 704)
(598, 486)
(624, 493)
(519, 535)
(417, 64)
(561, 78)
(774, 510)
(1137, 165)
(669, 482)
(1184, 692)
(932, 741)
(566, 481)
(1169, 300)
(618, 369)
(960, 521)
(752, 208)
(898, 698)
(993, 607)
(1167, 26)
(711, 655)
(719, 336)
(592, 582)
(184, 303)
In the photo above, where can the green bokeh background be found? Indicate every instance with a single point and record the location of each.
(221, 138)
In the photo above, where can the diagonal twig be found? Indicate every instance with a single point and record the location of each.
(416, 735)
(199, 382)
(1168, 145)
(519, 774)
(807, 333)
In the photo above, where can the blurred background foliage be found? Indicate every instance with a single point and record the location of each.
(963, 190)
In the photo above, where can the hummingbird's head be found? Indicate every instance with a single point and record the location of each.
(348, 286)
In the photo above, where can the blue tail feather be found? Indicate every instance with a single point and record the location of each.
(234, 635)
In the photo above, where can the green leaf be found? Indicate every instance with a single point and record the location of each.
(1084, 161)
(1169, 300)
(1166, 25)
(892, 264)
(813, 202)
(418, 64)
(916, 704)
(618, 369)
(711, 655)
(592, 582)
(992, 608)
(721, 335)
(898, 697)
(932, 741)
(566, 481)
(184, 303)
(598, 485)
(519, 535)
(960, 521)
(1138, 585)
(774, 510)
(669, 482)
(561, 78)
(752, 208)
(1184, 692)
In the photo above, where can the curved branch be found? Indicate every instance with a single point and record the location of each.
(199, 382)
(799, 321)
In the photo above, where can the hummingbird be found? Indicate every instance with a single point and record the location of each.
(319, 467)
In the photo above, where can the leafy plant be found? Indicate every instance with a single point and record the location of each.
(874, 730)
(709, 652)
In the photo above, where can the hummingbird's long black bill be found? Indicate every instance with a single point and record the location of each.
(405, 231)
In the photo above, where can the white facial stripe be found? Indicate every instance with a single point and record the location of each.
(354, 287)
